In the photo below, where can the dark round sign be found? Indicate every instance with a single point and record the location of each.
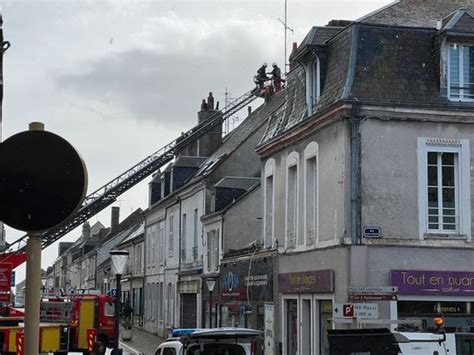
(43, 180)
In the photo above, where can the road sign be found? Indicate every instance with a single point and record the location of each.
(356, 310)
(371, 297)
(376, 289)
(372, 232)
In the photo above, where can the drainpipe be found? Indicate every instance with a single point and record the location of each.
(355, 121)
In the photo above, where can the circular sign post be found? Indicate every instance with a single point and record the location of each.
(43, 181)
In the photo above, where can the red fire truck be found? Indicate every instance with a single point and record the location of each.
(66, 324)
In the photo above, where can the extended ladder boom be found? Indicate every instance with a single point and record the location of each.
(107, 194)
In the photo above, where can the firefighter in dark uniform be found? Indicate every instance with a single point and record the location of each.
(262, 75)
(276, 77)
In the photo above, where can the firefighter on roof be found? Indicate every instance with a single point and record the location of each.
(262, 75)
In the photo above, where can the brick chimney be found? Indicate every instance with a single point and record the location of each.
(114, 218)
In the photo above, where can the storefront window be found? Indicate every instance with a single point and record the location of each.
(325, 314)
(458, 316)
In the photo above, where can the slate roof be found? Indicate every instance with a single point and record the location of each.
(238, 136)
(415, 13)
(187, 161)
(234, 182)
(378, 61)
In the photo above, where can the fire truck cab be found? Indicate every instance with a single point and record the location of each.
(66, 324)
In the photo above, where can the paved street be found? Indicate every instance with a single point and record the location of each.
(141, 343)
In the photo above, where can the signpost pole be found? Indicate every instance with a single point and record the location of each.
(33, 282)
(33, 287)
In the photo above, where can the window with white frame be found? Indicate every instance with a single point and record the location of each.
(444, 186)
(183, 237)
(461, 72)
(312, 84)
(311, 193)
(161, 241)
(195, 234)
(269, 204)
(292, 200)
(171, 234)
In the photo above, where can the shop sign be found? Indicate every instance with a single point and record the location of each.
(243, 279)
(320, 281)
(447, 283)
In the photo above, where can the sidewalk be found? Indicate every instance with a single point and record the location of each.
(142, 343)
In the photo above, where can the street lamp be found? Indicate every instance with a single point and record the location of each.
(211, 283)
(43, 284)
(119, 261)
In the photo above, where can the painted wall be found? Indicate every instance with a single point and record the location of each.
(243, 222)
(331, 162)
(390, 172)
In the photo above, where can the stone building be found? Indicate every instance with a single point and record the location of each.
(366, 172)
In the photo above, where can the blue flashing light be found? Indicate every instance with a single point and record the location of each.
(182, 331)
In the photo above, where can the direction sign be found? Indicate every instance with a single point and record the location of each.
(374, 289)
(356, 310)
(371, 297)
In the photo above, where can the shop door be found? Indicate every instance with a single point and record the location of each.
(188, 310)
(292, 327)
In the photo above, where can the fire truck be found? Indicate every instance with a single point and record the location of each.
(66, 324)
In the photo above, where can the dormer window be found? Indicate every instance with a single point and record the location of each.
(312, 85)
(461, 72)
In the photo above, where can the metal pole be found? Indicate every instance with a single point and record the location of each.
(210, 309)
(118, 292)
(33, 287)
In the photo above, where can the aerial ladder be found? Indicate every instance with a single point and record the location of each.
(108, 193)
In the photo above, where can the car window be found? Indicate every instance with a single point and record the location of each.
(215, 349)
(168, 351)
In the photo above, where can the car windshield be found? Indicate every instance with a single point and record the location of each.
(215, 349)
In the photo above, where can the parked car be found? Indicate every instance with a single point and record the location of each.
(229, 341)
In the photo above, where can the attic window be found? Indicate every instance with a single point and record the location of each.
(312, 85)
(461, 72)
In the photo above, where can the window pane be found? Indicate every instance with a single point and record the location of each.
(449, 211)
(432, 197)
(433, 219)
(432, 176)
(433, 226)
(449, 220)
(448, 197)
(448, 176)
(448, 159)
(467, 71)
(432, 158)
(432, 211)
(454, 70)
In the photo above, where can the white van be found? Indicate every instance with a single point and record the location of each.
(228, 341)
(414, 343)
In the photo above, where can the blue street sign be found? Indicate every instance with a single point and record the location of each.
(372, 232)
(13, 279)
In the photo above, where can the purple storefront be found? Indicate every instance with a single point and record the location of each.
(424, 294)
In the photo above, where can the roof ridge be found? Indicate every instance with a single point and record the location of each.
(375, 12)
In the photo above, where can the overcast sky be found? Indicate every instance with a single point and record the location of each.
(120, 79)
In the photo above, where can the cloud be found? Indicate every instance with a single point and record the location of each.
(176, 63)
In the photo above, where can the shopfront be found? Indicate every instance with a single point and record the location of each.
(424, 295)
(307, 299)
(245, 287)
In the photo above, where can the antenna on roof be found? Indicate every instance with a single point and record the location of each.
(286, 27)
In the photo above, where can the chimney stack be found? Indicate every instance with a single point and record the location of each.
(210, 101)
(114, 220)
(86, 230)
(249, 108)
